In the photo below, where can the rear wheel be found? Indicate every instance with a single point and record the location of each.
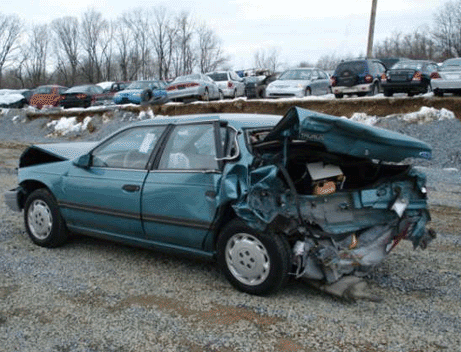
(388, 93)
(307, 92)
(438, 92)
(206, 95)
(253, 262)
(43, 220)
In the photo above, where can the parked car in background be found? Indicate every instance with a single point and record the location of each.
(230, 83)
(448, 78)
(14, 98)
(192, 87)
(309, 195)
(410, 76)
(82, 96)
(113, 87)
(142, 92)
(257, 82)
(361, 77)
(299, 82)
(47, 96)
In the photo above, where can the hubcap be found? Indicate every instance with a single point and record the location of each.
(247, 259)
(40, 219)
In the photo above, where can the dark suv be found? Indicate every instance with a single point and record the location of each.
(361, 77)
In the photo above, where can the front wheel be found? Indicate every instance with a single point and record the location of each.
(43, 220)
(253, 262)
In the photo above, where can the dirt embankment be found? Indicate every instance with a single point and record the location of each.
(338, 107)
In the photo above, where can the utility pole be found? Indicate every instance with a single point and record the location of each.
(371, 31)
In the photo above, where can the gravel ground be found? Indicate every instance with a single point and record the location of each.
(93, 295)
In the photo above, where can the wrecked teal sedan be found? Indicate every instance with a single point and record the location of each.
(306, 195)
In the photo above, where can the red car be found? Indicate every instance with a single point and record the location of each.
(48, 95)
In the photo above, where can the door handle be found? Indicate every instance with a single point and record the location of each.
(131, 188)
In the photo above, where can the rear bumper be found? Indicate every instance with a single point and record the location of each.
(359, 88)
(403, 87)
(446, 84)
(12, 199)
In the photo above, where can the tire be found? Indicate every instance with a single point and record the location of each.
(388, 93)
(253, 262)
(438, 92)
(428, 88)
(374, 89)
(339, 95)
(44, 223)
(205, 96)
(307, 92)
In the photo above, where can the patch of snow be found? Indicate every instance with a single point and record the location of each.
(6, 99)
(144, 115)
(68, 125)
(105, 85)
(426, 114)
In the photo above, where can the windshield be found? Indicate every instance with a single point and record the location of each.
(78, 89)
(408, 64)
(139, 85)
(295, 75)
(353, 66)
(188, 78)
(218, 77)
(452, 64)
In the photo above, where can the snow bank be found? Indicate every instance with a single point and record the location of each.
(6, 99)
(68, 125)
(424, 115)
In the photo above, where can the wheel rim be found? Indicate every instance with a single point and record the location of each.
(40, 220)
(247, 259)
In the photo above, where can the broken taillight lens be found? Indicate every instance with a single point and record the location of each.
(368, 78)
(435, 75)
(230, 84)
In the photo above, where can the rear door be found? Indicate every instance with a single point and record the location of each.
(179, 195)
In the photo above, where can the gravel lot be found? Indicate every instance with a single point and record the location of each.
(92, 295)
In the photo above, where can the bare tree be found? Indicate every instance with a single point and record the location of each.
(138, 21)
(267, 59)
(163, 39)
(10, 29)
(92, 30)
(34, 55)
(209, 50)
(66, 30)
(447, 31)
(184, 59)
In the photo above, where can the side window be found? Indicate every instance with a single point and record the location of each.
(129, 149)
(190, 147)
(322, 75)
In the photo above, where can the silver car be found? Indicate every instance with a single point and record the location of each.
(299, 82)
(448, 78)
(195, 86)
(230, 83)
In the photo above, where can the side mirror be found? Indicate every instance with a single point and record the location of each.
(84, 161)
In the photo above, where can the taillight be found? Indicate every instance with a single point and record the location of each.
(435, 75)
(230, 84)
(368, 78)
(81, 96)
(192, 85)
(417, 76)
(170, 88)
(383, 77)
(333, 81)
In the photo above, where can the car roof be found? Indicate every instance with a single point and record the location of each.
(239, 121)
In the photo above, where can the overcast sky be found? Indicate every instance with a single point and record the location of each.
(299, 30)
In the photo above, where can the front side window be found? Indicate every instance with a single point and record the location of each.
(190, 147)
(129, 149)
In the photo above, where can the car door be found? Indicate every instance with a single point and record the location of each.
(105, 196)
(179, 195)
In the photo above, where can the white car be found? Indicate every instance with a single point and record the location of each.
(448, 78)
(229, 82)
(299, 82)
